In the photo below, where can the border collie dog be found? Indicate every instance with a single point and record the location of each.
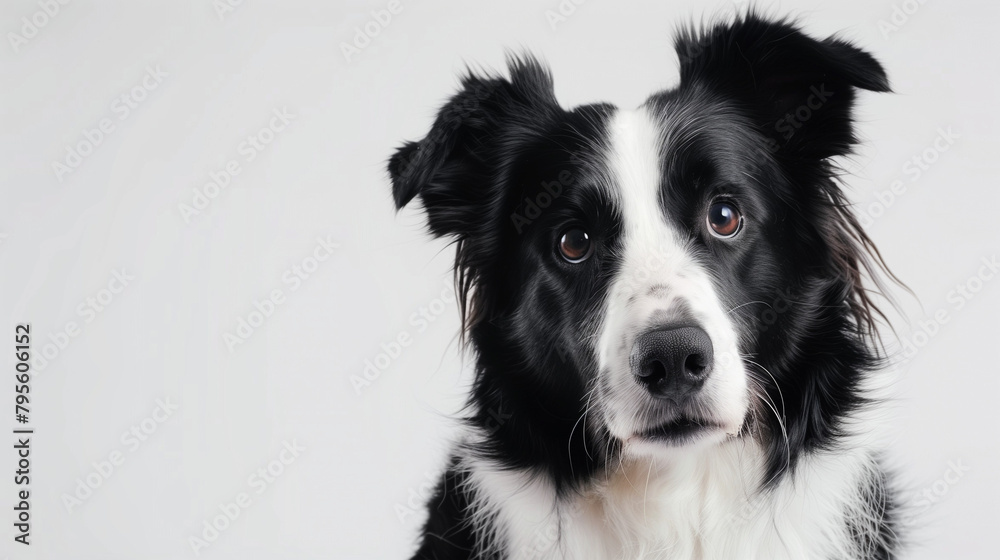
(674, 350)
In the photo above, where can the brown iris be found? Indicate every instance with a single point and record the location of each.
(574, 245)
(724, 219)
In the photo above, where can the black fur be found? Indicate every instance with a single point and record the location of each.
(448, 533)
(501, 144)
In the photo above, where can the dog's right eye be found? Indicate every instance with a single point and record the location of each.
(724, 219)
(574, 245)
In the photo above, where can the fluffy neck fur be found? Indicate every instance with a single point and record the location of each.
(701, 504)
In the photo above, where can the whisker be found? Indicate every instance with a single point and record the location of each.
(779, 417)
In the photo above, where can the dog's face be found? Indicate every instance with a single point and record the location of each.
(668, 349)
(616, 263)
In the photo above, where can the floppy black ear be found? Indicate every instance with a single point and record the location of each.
(453, 169)
(797, 89)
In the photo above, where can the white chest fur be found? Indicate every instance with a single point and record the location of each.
(703, 506)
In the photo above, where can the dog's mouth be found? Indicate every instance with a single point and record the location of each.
(678, 430)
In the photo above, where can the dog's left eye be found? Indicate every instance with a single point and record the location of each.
(724, 219)
(574, 245)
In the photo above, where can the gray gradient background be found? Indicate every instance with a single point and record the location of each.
(162, 336)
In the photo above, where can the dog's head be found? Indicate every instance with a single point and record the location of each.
(672, 275)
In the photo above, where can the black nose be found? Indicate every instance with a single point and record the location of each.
(673, 363)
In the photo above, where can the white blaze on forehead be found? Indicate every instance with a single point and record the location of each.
(635, 153)
(634, 175)
(658, 281)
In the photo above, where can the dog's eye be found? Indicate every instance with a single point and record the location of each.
(724, 219)
(574, 245)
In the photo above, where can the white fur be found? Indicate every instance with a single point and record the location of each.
(657, 277)
(692, 506)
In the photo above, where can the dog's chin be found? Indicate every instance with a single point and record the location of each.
(676, 434)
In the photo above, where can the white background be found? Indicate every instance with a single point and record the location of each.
(162, 336)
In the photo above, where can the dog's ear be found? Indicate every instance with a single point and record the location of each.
(799, 93)
(796, 89)
(453, 169)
